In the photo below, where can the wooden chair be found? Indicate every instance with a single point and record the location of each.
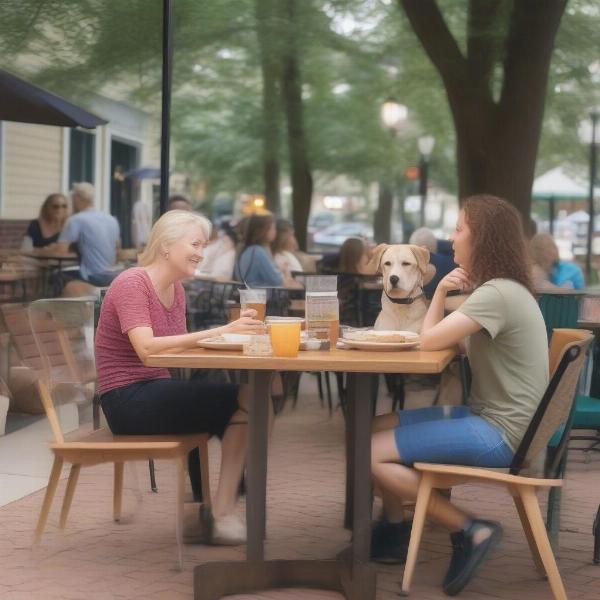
(567, 355)
(68, 325)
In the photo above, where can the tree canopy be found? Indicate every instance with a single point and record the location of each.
(349, 57)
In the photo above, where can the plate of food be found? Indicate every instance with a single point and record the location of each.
(226, 341)
(380, 340)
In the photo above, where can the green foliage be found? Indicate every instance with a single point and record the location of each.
(354, 55)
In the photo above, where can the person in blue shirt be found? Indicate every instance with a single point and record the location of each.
(567, 274)
(255, 265)
(438, 257)
(548, 270)
(95, 235)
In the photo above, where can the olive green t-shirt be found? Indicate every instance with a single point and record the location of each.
(508, 356)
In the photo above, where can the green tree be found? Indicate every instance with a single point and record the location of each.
(496, 88)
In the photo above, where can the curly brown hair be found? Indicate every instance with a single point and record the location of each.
(498, 246)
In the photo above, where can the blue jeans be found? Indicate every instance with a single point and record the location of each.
(450, 435)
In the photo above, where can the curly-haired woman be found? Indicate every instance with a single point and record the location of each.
(505, 338)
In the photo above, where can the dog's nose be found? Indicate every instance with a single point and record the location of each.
(394, 279)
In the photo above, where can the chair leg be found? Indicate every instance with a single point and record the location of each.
(320, 388)
(328, 388)
(597, 538)
(68, 499)
(204, 473)
(553, 516)
(96, 411)
(422, 503)
(181, 471)
(48, 497)
(118, 490)
(152, 476)
(537, 559)
(538, 529)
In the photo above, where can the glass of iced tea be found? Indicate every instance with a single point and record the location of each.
(256, 299)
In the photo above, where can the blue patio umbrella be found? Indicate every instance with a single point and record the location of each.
(25, 102)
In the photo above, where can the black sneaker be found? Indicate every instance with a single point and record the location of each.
(467, 557)
(389, 542)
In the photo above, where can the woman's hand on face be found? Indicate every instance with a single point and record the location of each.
(458, 279)
(245, 325)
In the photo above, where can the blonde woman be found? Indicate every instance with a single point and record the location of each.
(143, 313)
(45, 230)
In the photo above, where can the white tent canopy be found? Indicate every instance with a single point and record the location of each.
(556, 184)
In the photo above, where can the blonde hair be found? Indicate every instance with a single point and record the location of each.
(84, 190)
(168, 229)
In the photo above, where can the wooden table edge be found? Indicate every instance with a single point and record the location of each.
(355, 361)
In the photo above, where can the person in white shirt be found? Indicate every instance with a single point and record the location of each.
(219, 256)
(141, 223)
(283, 247)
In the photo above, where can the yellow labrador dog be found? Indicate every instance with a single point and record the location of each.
(405, 269)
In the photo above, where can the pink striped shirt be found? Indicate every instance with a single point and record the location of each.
(130, 302)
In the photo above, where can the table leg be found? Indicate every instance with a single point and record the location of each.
(359, 404)
(260, 382)
(349, 574)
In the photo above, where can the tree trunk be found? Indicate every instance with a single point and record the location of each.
(266, 19)
(497, 141)
(291, 89)
(383, 215)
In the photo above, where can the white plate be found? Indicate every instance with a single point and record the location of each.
(379, 346)
(236, 338)
(360, 335)
(219, 343)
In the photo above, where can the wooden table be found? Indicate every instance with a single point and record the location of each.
(350, 573)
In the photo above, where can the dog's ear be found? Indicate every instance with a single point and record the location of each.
(374, 264)
(429, 274)
(422, 255)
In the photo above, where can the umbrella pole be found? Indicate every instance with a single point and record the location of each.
(167, 68)
(588, 259)
(551, 214)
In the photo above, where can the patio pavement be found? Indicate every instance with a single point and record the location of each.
(98, 559)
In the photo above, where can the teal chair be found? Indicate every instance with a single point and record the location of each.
(559, 310)
(587, 416)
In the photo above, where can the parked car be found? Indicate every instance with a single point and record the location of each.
(337, 234)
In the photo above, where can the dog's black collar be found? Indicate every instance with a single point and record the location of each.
(407, 300)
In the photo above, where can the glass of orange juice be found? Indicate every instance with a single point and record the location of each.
(285, 339)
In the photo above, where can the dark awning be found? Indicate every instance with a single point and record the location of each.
(27, 103)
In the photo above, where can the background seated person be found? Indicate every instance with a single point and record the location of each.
(45, 230)
(143, 313)
(354, 257)
(284, 248)
(255, 266)
(219, 255)
(96, 237)
(179, 202)
(443, 263)
(508, 354)
(548, 271)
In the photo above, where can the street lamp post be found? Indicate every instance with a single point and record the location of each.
(426, 144)
(393, 117)
(588, 134)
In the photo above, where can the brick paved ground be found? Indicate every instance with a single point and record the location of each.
(97, 559)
